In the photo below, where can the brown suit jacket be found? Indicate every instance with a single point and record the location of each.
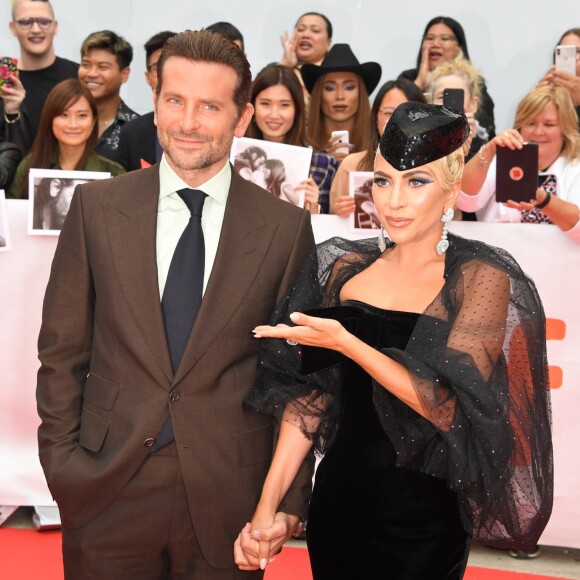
(105, 379)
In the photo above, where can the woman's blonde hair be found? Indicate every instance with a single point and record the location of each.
(449, 169)
(536, 101)
(461, 68)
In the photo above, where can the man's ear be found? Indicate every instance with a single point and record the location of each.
(244, 120)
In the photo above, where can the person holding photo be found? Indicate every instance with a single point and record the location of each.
(279, 117)
(423, 379)
(66, 138)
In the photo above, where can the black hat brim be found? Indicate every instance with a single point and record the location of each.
(370, 72)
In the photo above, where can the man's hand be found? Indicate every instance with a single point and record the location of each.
(13, 95)
(256, 545)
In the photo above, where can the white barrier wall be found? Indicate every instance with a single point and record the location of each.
(544, 252)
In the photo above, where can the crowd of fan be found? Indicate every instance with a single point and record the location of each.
(58, 114)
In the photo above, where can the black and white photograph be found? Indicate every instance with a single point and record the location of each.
(277, 167)
(5, 244)
(365, 216)
(51, 194)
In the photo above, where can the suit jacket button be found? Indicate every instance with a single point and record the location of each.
(174, 396)
(149, 442)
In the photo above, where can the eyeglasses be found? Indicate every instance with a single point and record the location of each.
(444, 38)
(26, 23)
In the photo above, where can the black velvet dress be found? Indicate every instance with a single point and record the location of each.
(369, 519)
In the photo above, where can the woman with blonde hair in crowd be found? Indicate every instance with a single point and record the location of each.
(545, 116)
(66, 138)
(339, 100)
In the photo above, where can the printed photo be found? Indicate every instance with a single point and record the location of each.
(50, 197)
(365, 216)
(276, 167)
(5, 244)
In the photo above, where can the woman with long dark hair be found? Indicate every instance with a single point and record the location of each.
(279, 117)
(66, 138)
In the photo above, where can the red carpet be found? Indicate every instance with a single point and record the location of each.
(31, 555)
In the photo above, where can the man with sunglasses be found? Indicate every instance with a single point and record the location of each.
(34, 25)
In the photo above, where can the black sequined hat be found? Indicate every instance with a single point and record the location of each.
(341, 58)
(417, 134)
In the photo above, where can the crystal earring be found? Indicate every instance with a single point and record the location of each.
(444, 242)
(382, 240)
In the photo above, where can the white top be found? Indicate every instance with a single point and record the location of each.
(488, 210)
(173, 216)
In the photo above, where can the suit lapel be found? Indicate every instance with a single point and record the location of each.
(244, 242)
(132, 225)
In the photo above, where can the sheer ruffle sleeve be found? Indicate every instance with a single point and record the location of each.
(477, 358)
(308, 397)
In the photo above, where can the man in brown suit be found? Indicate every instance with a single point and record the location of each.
(132, 507)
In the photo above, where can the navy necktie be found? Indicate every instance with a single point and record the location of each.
(183, 291)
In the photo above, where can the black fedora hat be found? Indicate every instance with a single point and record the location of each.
(341, 58)
(417, 134)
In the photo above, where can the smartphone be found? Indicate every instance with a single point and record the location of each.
(517, 173)
(565, 59)
(453, 99)
(341, 137)
(8, 66)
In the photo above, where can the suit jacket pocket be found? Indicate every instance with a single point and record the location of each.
(256, 446)
(100, 392)
(93, 431)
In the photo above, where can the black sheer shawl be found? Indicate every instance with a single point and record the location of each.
(477, 358)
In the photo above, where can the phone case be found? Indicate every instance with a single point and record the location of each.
(453, 99)
(517, 173)
(8, 66)
(565, 59)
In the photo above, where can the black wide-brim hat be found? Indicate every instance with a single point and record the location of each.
(417, 134)
(340, 58)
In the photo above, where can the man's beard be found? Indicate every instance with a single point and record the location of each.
(193, 160)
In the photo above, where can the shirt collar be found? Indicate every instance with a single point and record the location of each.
(217, 187)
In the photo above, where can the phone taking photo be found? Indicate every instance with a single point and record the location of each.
(8, 66)
(453, 99)
(565, 58)
(341, 137)
(517, 173)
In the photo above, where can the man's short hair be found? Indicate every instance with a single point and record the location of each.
(156, 42)
(206, 46)
(16, 2)
(228, 30)
(113, 43)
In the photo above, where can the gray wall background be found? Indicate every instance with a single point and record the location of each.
(511, 41)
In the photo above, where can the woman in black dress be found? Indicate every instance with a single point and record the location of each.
(423, 378)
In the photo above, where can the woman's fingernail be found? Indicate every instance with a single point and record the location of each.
(263, 563)
(294, 316)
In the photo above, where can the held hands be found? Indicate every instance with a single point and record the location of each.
(13, 95)
(263, 538)
(309, 331)
(289, 59)
(311, 194)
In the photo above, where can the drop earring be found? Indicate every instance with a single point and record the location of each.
(444, 242)
(382, 240)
